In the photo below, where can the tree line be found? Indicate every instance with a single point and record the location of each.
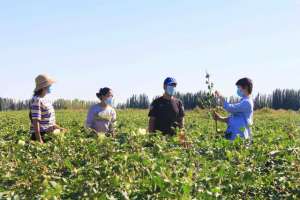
(136, 101)
(288, 99)
(7, 104)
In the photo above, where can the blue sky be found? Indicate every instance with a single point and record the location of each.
(132, 45)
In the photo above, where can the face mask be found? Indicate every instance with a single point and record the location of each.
(49, 90)
(109, 101)
(171, 90)
(240, 93)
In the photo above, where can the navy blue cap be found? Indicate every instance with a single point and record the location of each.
(170, 81)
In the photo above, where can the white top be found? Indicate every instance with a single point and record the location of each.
(101, 119)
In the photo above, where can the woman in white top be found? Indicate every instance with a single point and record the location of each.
(102, 116)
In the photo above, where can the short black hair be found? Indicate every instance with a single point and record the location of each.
(102, 92)
(245, 83)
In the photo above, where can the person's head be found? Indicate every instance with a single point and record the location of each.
(43, 85)
(105, 95)
(244, 87)
(170, 86)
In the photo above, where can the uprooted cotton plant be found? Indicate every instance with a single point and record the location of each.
(209, 102)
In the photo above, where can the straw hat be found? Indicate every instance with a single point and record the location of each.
(42, 81)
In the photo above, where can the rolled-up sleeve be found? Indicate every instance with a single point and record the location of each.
(243, 106)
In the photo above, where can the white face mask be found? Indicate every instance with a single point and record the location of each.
(171, 90)
(109, 101)
(50, 89)
(239, 92)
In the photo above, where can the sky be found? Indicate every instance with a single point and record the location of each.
(132, 45)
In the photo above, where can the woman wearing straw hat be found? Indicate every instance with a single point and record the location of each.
(42, 115)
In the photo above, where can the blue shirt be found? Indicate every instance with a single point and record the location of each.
(241, 118)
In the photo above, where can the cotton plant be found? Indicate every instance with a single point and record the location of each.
(142, 131)
(210, 102)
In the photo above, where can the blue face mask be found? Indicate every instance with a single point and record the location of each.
(171, 90)
(240, 93)
(109, 101)
(49, 90)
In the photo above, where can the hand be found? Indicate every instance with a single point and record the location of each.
(41, 141)
(183, 141)
(63, 130)
(110, 134)
(51, 129)
(216, 116)
(219, 95)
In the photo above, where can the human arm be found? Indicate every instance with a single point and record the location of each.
(242, 106)
(151, 126)
(37, 132)
(218, 117)
(152, 117)
(90, 120)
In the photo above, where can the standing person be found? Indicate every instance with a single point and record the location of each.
(167, 112)
(241, 118)
(42, 114)
(101, 117)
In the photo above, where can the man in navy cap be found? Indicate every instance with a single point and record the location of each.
(167, 112)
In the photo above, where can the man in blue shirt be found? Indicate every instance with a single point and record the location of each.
(241, 117)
